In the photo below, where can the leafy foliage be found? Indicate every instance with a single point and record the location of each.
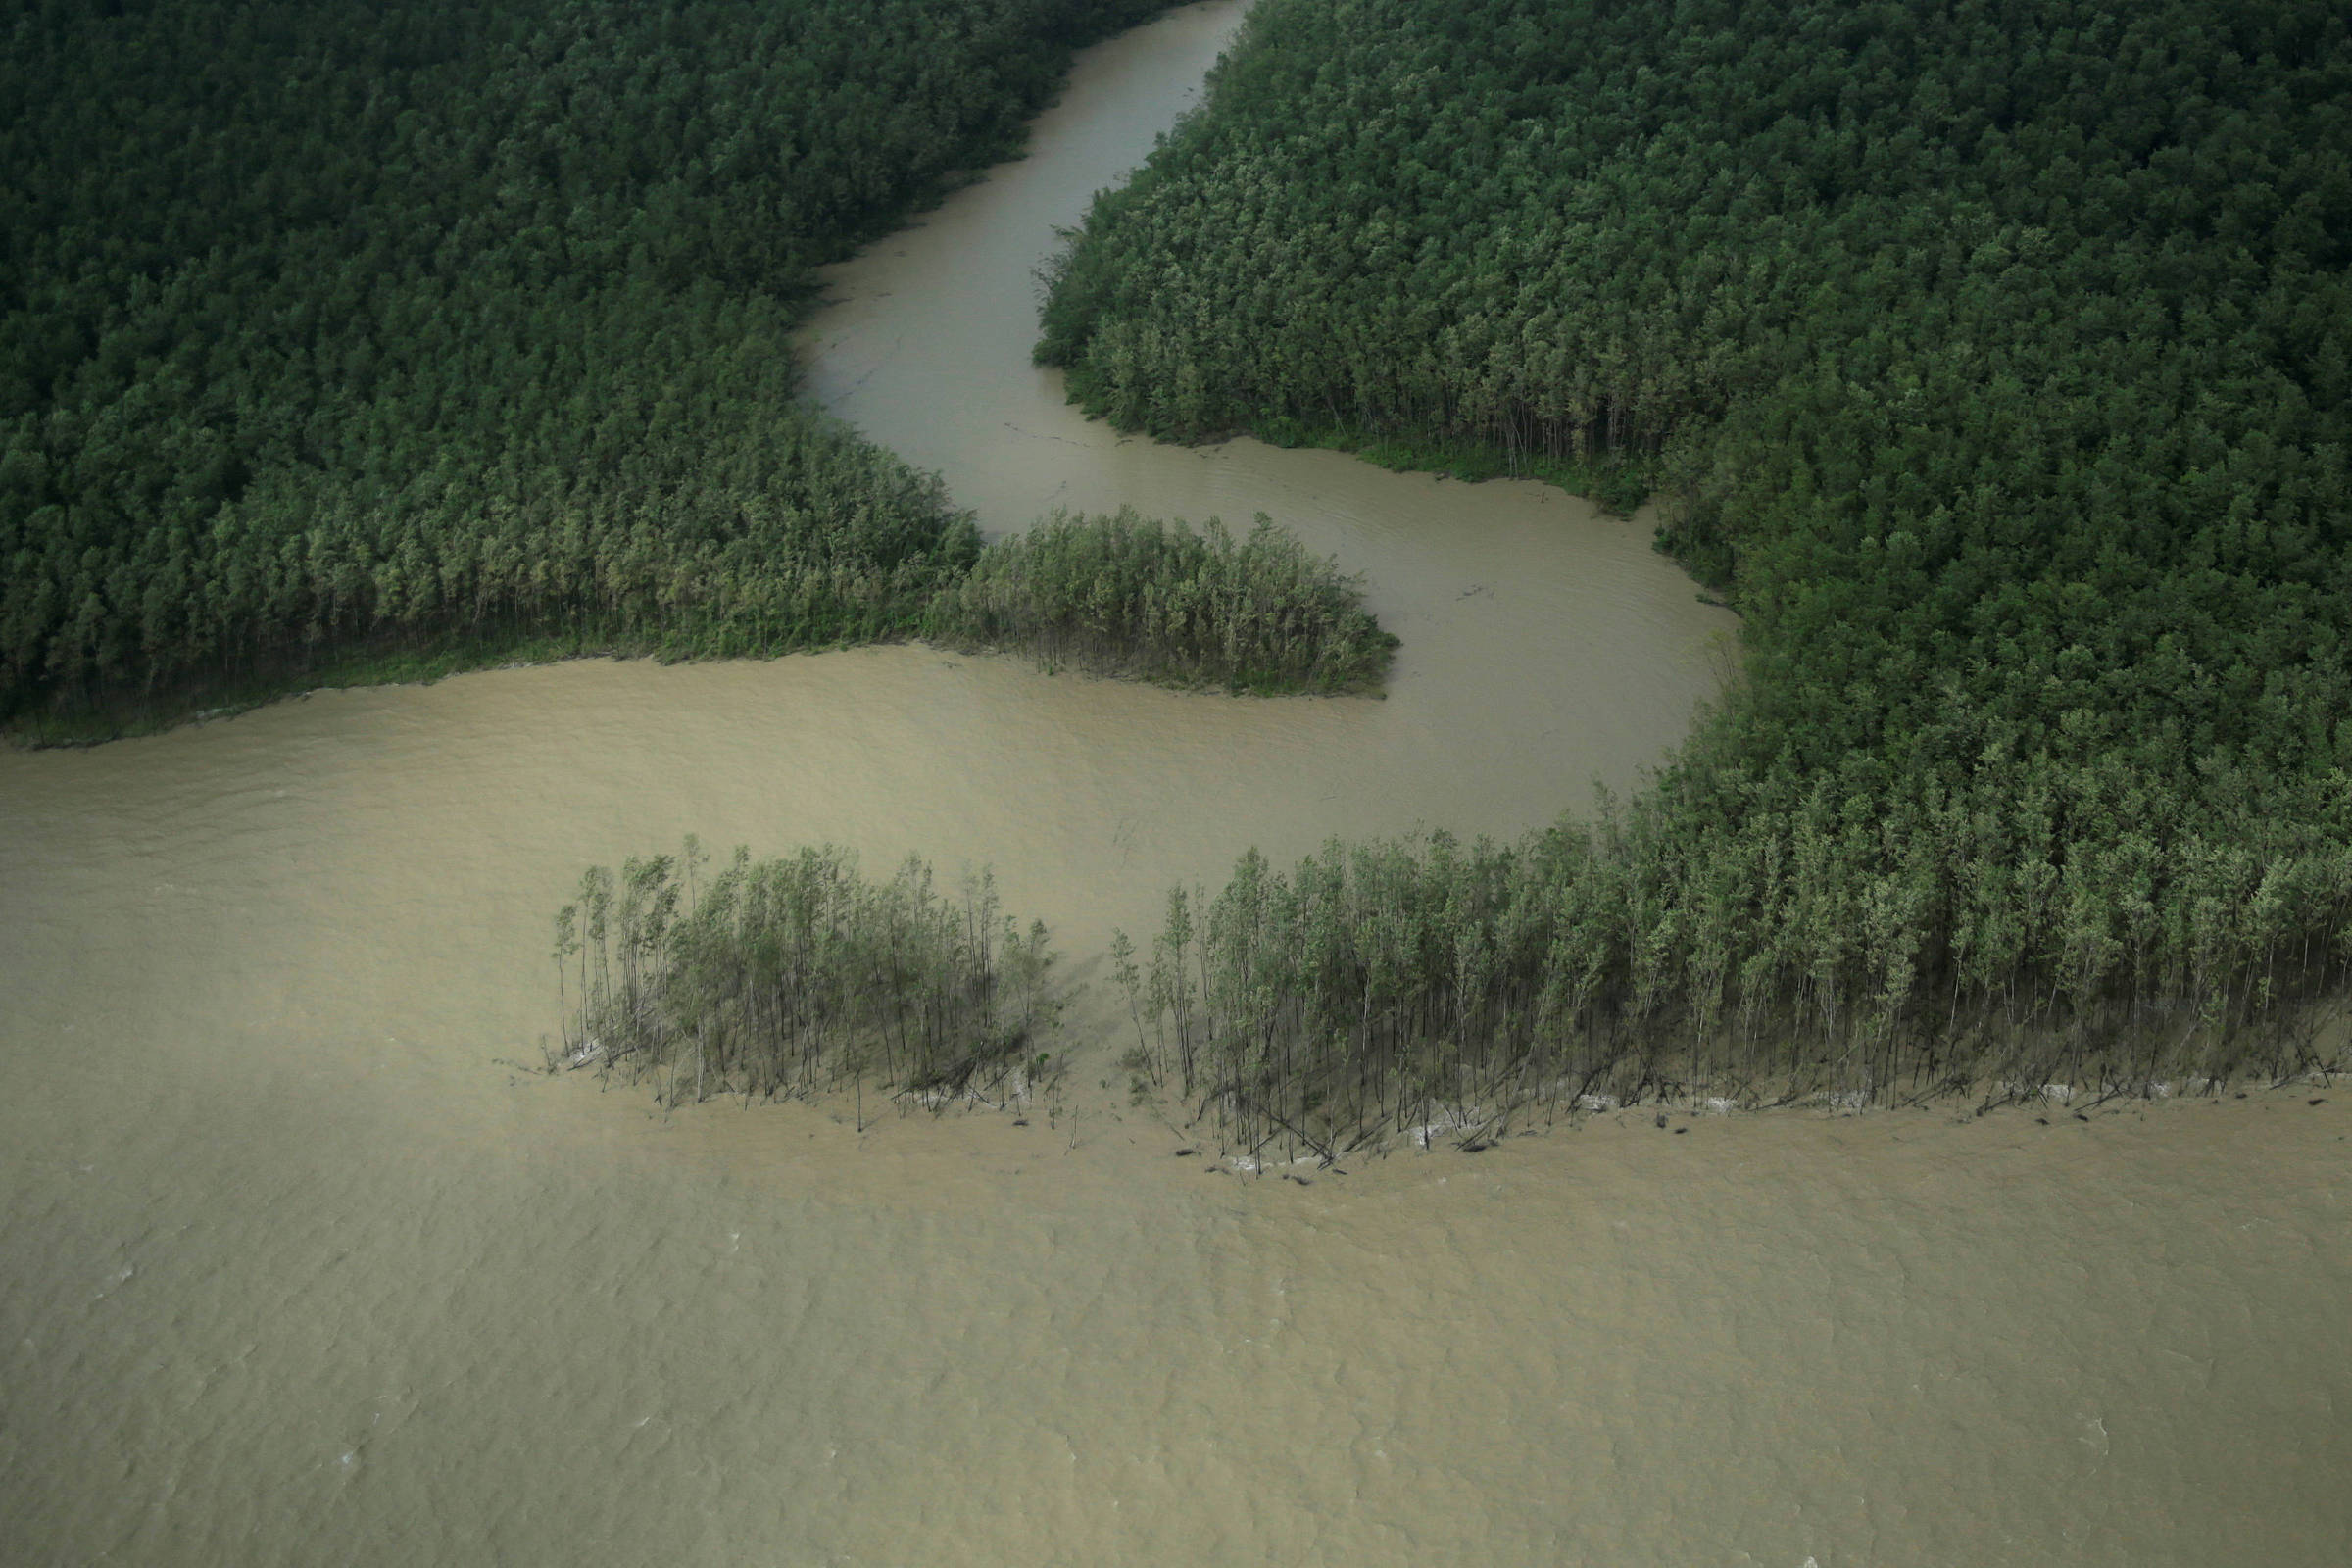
(327, 325)
(1998, 358)
(1127, 595)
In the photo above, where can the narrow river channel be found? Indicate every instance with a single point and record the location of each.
(297, 1267)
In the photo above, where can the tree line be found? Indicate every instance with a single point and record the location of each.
(1426, 985)
(331, 330)
(1994, 360)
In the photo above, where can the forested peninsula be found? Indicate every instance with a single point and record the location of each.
(342, 341)
(1991, 357)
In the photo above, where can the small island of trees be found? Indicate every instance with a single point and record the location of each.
(795, 976)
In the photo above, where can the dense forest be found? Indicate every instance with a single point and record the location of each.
(1995, 358)
(333, 329)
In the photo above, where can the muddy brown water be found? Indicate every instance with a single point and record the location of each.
(294, 1270)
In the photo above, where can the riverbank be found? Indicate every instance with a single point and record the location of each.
(125, 715)
(1122, 596)
(1088, 1088)
(1621, 486)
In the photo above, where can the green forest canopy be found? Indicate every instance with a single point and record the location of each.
(1995, 358)
(327, 324)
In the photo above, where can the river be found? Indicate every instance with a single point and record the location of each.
(297, 1265)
